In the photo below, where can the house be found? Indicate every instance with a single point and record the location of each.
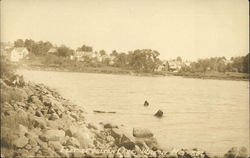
(52, 51)
(6, 48)
(163, 66)
(18, 53)
(175, 65)
(112, 60)
(80, 55)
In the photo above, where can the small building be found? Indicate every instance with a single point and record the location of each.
(18, 53)
(80, 55)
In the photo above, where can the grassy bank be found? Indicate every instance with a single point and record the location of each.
(73, 66)
(215, 75)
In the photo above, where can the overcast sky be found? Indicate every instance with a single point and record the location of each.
(191, 29)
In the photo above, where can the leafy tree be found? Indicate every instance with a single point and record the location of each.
(102, 52)
(114, 53)
(145, 60)
(19, 43)
(38, 48)
(85, 48)
(121, 60)
(246, 64)
(64, 51)
(179, 59)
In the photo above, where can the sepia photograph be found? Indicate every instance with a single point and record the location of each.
(124, 78)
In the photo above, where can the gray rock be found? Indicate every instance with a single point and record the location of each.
(235, 152)
(38, 122)
(71, 131)
(20, 142)
(56, 145)
(22, 130)
(142, 133)
(84, 139)
(49, 152)
(118, 155)
(53, 116)
(159, 113)
(6, 107)
(73, 115)
(93, 126)
(46, 100)
(73, 142)
(110, 125)
(39, 113)
(52, 135)
(32, 142)
(28, 147)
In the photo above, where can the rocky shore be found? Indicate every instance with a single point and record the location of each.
(37, 121)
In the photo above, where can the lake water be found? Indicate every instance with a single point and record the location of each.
(208, 114)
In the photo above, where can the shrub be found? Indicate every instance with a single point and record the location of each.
(7, 69)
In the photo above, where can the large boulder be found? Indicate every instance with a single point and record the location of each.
(7, 137)
(110, 125)
(22, 130)
(73, 142)
(52, 135)
(53, 117)
(122, 139)
(93, 126)
(6, 108)
(28, 90)
(58, 106)
(38, 122)
(84, 139)
(72, 130)
(20, 142)
(39, 113)
(33, 142)
(55, 145)
(35, 99)
(142, 133)
(55, 124)
(235, 152)
(46, 100)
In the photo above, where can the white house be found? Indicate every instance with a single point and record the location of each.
(18, 53)
(79, 55)
(52, 51)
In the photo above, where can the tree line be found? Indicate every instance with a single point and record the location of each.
(219, 64)
(140, 60)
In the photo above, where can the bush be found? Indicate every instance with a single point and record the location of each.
(7, 69)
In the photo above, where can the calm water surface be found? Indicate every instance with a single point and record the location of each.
(208, 114)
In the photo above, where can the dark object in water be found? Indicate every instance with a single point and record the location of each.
(98, 111)
(159, 113)
(146, 103)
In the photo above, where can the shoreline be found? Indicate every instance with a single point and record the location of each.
(207, 76)
(57, 127)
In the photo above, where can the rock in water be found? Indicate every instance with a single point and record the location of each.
(146, 103)
(159, 113)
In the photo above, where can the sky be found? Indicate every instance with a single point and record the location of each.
(192, 29)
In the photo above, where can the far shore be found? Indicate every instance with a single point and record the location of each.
(235, 76)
